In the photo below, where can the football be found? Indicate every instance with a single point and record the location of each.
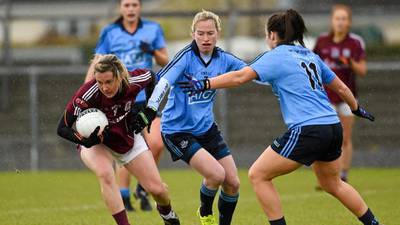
(89, 119)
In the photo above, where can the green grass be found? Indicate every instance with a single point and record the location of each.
(73, 198)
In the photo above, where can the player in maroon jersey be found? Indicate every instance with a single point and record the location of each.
(113, 91)
(344, 53)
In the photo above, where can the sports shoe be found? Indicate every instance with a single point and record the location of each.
(206, 220)
(144, 201)
(128, 205)
(171, 218)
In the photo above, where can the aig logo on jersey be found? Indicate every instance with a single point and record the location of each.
(202, 97)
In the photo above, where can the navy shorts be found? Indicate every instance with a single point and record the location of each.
(140, 106)
(307, 144)
(185, 145)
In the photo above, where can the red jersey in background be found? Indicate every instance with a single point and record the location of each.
(335, 55)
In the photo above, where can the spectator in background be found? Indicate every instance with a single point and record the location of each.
(135, 41)
(344, 53)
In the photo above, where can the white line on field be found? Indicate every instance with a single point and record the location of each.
(52, 209)
(311, 194)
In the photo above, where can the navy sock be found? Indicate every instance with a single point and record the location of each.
(125, 193)
(368, 218)
(207, 199)
(280, 221)
(226, 206)
(140, 190)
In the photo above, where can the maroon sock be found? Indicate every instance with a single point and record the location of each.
(164, 209)
(121, 218)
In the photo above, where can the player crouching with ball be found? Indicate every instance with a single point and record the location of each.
(113, 91)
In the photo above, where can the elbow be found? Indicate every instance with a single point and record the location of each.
(240, 80)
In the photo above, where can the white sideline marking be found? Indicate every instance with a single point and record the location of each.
(53, 209)
(312, 194)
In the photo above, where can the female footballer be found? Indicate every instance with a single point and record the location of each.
(297, 77)
(113, 91)
(188, 127)
(136, 41)
(344, 53)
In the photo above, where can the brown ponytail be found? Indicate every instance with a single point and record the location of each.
(289, 25)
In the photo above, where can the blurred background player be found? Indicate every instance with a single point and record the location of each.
(136, 41)
(297, 77)
(113, 91)
(188, 127)
(344, 53)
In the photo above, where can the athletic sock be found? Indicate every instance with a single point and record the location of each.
(280, 221)
(125, 193)
(164, 209)
(121, 218)
(140, 190)
(226, 206)
(207, 199)
(368, 218)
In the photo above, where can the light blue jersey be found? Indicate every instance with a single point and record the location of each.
(297, 76)
(184, 113)
(114, 39)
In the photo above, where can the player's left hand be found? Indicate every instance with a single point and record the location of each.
(193, 86)
(143, 119)
(361, 112)
(146, 47)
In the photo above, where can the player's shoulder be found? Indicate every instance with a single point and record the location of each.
(357, 39)
(227, 54)
(324, 36)
(88, 90)
(138, 72)
(110, 27)
(149, 23)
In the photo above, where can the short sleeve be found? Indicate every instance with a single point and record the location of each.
(235, 63)
(360, 50)
(327, 75)
(264, 65)
(103, 46)
(159, 41)
(173, 70)
(82, 98)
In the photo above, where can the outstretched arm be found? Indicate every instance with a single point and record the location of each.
(344, 92)
(227, 80)
(233, 79)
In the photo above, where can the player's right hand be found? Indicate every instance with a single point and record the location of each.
(193, 86)
(143, 119)
(146, 47)
(361, 112)
(93, 139)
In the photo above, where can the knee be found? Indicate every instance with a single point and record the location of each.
(157, 190)
(105, 177)
(330, 187)
(216, 178)
(232, 186)
(255, 176)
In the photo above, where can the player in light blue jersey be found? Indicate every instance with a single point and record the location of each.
(188, 127)
(297, 77)
(135, 41)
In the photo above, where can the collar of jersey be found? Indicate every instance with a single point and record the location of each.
(196, 51)
(119, 22)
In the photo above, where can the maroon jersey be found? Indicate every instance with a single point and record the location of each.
(337, 55)
(120, 139)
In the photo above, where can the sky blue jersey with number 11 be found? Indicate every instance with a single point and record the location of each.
(184, 113)
(297, 77)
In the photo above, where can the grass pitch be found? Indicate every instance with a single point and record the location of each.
(73, 198)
